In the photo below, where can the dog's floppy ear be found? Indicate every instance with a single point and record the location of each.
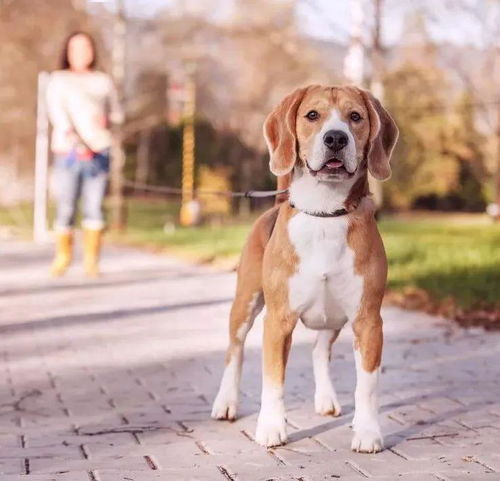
(280, 134)
(383, 137)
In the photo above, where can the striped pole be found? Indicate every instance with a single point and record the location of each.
(187, 217)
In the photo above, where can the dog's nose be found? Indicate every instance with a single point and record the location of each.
(335, 140)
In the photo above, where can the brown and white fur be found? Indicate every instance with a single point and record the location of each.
(324, 270)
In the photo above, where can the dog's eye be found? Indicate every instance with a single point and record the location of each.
(312, 115)
(355, 116)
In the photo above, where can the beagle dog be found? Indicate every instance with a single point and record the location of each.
(317, 256)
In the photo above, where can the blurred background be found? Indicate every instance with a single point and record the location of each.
(196, 80)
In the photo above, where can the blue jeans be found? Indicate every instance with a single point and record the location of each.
(74, 178)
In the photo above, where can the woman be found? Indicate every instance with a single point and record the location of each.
(82, 104)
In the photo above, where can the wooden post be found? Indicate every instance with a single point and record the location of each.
(117, 151)
(40, 231)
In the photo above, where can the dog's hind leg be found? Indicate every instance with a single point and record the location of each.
(245, 309)
(248, 302)
(325, 397)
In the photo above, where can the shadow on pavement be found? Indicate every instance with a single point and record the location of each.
(107, 280)
(113, 315)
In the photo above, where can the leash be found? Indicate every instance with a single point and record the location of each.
(249, 194)
(255, 194)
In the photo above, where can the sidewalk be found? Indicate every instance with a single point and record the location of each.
(113, 380)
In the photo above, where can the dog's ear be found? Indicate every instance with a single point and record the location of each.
(383, 137)
(280, 133)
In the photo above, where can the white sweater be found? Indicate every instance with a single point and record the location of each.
(81, 108)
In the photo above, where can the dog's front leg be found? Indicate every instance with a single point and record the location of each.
(271, 424)
(368, 340)
(325, 397)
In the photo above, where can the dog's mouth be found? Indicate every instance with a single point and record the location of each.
(333, 166)
(333, 169)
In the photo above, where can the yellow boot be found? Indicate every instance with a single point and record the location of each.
(91, 250)
(64, 253)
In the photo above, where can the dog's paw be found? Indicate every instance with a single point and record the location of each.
(366, 441)
(326, 403)
(224, 406)
(271, 431)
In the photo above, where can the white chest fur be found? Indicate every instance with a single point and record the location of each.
(324, 291)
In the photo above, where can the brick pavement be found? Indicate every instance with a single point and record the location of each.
(113, 381)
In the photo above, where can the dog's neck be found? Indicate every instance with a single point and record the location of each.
(309, 195)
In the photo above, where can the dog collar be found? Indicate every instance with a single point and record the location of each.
(335, 213)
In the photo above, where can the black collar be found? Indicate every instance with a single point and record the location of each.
(335, 213)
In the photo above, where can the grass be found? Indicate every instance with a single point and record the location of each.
(446, 256)
(18, 218)
(152, 224)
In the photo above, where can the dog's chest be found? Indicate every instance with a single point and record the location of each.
(325, 291)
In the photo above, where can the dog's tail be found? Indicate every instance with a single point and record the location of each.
(283, 183)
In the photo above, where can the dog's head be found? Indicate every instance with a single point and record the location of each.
(330, 131)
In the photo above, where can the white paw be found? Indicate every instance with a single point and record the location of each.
(224, 406)
(367, 441)
(271, 430)
(326, 402)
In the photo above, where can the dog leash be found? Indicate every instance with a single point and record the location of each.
(249, 194)
(254, 194)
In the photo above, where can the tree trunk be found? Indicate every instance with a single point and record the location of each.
(143, 159)
(353, 62)
(376, 86)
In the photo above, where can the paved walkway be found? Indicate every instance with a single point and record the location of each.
(113, 380)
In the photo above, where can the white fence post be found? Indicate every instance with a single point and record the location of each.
(40, 231)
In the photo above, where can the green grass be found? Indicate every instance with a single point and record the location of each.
(18, 217)
(152, 224)
(445, 259)
(448, 255)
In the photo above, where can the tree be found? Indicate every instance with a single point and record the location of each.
(419, 168)
(466, 145)
(479, 71)
(439, 160)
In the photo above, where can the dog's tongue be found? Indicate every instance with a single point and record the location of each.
(333, 164)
